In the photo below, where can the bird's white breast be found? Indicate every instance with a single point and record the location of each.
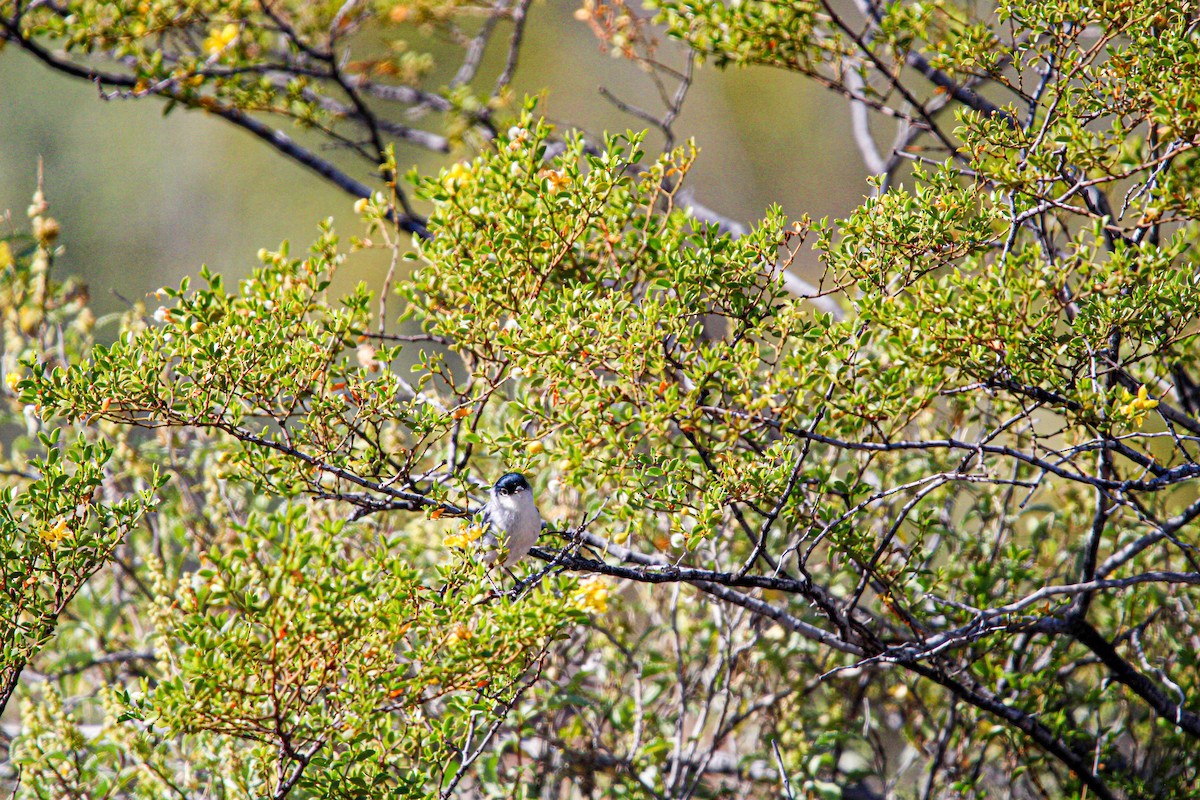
(515, 517)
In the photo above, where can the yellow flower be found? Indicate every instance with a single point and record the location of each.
(220, 38)
(455, 540)
(1138, 407)
(464, 537)
(12, 379)
(460, 633)
(1144, 401)
(592, 595)
(459, 173)
(56, 532)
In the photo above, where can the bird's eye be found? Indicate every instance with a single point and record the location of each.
(504, 492)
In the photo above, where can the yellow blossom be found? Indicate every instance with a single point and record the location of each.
(464, 536)
(1138, 407)
(459, 173)
(592, 595)
(12, 379)
(220, 38)
(56, 532)
(460, 633)
(1144, 401)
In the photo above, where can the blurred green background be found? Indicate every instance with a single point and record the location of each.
(145, 199)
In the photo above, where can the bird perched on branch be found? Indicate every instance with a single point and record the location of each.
(511, 519)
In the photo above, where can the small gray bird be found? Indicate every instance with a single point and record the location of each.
(511, 518)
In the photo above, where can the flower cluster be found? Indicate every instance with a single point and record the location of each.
(458, 173)
(1136, 408)
(45, 229)
(220, 38)
(592, 595)
(463, 538)
(55, 533)
(460, 632)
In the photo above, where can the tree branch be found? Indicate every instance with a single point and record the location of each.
(1124, 672)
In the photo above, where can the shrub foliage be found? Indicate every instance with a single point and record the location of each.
(925, 528)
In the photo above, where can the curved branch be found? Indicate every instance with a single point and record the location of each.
(1143, 687)
(1024, 722)
(407, 220)
(717, 584)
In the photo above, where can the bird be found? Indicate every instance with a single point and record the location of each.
(510, 518)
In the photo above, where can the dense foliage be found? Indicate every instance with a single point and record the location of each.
(925, 529)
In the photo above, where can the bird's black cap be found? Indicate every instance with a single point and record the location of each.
(511, 483)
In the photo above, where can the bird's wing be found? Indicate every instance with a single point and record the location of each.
(489, 539)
